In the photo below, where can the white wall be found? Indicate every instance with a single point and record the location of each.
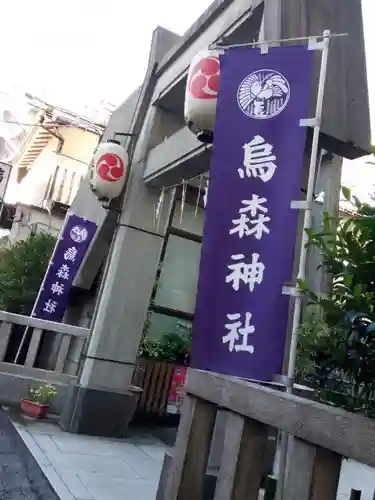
(29, 219)
(78, 144)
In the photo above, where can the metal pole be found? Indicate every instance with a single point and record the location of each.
(303, 255)
(272, 42)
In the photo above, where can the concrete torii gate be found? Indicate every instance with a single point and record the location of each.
(345, 132)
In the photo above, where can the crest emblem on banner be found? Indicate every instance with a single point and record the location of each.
(79, 234)
(263, 94)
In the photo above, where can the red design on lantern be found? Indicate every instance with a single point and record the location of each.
(110, 167)
(204, 80)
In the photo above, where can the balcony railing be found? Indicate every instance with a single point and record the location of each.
(63, 185)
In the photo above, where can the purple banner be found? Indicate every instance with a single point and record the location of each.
(67, 257)
(250, 230)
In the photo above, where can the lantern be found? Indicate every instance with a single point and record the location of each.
(108, 171)
(201, 94)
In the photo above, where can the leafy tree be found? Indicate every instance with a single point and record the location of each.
(347, 247)
(22, 268)
(337, 348)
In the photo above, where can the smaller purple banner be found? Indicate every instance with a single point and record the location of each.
(67, 257)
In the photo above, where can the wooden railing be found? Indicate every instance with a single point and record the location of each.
(63, 344)
(321, 436)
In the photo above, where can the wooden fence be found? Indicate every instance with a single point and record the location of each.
(321, 436)
(155, 379)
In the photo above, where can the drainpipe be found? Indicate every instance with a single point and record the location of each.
(58, 136)
(58, 150)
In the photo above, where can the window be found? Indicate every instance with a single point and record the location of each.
(177, 285)
(160, 324)
(173, 301)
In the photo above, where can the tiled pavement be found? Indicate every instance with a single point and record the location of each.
(89, 468)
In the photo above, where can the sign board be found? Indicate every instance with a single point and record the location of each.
(70, 250)
(250, 228)
(176, 393)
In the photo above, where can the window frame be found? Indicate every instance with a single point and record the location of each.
(186, 235)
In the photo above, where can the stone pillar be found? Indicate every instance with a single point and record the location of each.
(328, 185)
(103, 402)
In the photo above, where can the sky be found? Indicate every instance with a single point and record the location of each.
(76, 53)
(79, 52)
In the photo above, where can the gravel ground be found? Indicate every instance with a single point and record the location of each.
(20, 476)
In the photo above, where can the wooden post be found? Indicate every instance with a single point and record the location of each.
(32, 351)
(5, 333)
(63, 353)
(242, 460)
(190, 454)
(270, 489)
(313, 472)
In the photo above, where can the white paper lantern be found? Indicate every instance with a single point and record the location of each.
(201, 94)
(109, 167)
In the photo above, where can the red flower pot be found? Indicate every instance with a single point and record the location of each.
(33, 409)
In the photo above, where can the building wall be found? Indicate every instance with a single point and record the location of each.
(78, 144)
(30, 219)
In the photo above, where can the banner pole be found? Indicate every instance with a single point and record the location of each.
(301, 276)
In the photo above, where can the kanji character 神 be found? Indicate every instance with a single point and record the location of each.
(258, 160)
(58, 288)
(71, 254)
(250, 274)
(238, 330)
(50, 306)
(63, 272)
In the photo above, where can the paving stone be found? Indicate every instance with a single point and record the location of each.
(74, 462)
(102, 488)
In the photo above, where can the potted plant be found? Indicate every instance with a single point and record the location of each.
(36, 403)
(172, 347)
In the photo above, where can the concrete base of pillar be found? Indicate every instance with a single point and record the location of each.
(98, 411)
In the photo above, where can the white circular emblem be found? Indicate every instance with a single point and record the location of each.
(79, 234)
(263, 94)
